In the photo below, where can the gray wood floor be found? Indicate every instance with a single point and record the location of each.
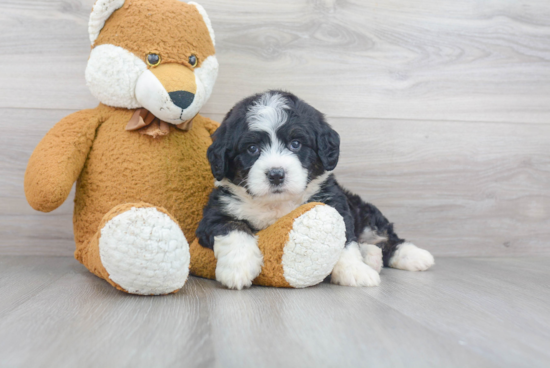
(465, 312)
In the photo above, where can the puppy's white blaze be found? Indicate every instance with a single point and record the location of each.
(295, 174)
(267, 113)
(372, 255)
(262, 212)
(411, 258)
(112, 74)
(350, 270)
(239, 260)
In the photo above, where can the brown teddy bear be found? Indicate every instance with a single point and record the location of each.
(139, 159)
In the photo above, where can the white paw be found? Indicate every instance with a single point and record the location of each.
(411, 258)
(350, 270)
(314, 246)
(372, 255)
(239, 260)
(144, 251)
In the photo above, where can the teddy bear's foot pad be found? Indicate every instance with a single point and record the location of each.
(314, 246)
(145, 252)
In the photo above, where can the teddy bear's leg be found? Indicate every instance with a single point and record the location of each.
(139, 249)
(299, 250)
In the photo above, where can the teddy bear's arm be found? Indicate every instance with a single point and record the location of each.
(58, 159)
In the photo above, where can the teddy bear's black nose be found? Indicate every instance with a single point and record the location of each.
(182, 99)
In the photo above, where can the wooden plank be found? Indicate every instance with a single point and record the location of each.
(21, 278)
(455, 188)
(445, 60)
(81, 320)
(495, 307)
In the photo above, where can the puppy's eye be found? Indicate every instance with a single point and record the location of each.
(295, 145)
(153, 59)
(193, 60)
(253, 150)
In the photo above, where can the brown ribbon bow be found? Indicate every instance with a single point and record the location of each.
(146, 123)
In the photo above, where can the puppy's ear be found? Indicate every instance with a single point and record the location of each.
(217, 154)
(328, 146)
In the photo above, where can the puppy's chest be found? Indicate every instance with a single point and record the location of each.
(260, 215)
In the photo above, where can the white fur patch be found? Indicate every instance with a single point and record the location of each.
(411, 258)
(112, 73)
(274, 157)
(314, 246)
(145, 252)
(205, 78)
(267, 113)
(152, 95)
(262, 212)
(206, 20)
(350, 270)
(372, 255)
(239, 260)
(101, 11)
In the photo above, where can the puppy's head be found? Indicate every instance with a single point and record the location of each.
(273, 144)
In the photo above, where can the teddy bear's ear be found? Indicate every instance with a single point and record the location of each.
(202, 12)
(102, 10)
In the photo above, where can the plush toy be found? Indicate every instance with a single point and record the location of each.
(139, 159)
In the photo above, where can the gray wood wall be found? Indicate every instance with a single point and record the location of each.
(443, 107)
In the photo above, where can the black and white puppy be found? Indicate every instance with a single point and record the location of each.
(272, 153)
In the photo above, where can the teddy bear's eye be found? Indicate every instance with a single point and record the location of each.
(193, 60)
(153, 59)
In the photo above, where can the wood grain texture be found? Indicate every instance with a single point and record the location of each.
(464, 312)
(454, 188)
(446, 60)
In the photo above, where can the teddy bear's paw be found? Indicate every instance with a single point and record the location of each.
(239, 260)
(350, 270)
(372, 255)
(145, 252)
(314, 246)
(411, 258)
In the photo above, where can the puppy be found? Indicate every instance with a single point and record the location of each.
(272, 153)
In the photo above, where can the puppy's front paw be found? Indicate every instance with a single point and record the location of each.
(239, 260)
(372, 255)
(352, 271)
(411, 258)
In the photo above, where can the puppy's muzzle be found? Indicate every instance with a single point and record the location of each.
(276, 176)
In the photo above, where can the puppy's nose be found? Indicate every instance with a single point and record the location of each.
(182, 99)
(276, 176)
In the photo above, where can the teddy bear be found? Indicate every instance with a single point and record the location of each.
(139, 160)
